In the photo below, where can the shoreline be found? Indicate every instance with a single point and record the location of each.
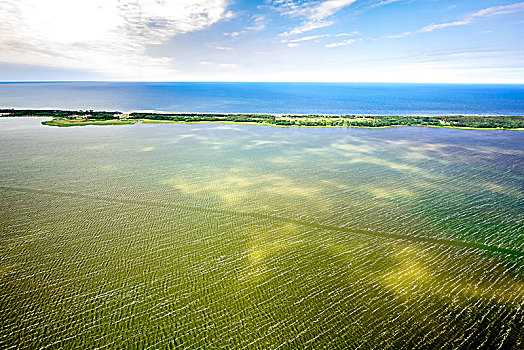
(276, 114)
(67, 118)
(146, 121)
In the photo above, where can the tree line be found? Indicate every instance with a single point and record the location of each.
(506, 122)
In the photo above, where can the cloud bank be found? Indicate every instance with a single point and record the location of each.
(487, 12)
(315, 13)
(105, 36)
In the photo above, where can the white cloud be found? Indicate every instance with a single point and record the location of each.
(233, 34)
(307, 27)
(429, 28)
(327, 8)
(315, 13)
(312, 10)
(293, 43)
(342, 43)
(499, 10)
(104, 36)
(307, 38)
(432, 27)
(468, 19)
(384, 2)
(223, 48)
(259, 24)
(348, 34)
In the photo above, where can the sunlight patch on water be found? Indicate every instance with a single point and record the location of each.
(311, 238)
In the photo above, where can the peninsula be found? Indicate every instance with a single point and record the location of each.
(66, 118)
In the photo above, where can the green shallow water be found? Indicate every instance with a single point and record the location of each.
(226, 236)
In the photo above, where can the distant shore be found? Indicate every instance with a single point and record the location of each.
(68, 118)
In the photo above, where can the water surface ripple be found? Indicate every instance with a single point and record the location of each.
(254, 237)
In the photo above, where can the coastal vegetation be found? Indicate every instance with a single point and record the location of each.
(78, 118)
(57, 113)
(80, 122)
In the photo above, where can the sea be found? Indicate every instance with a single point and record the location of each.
(273, 98)
(222, 236)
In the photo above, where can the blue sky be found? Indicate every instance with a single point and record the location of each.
(274, 40)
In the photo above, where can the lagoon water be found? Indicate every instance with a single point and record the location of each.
(279, 98)
(238, 236)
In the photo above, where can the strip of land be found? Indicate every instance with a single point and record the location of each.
(66, 118)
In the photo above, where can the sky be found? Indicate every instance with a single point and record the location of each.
(416, 41)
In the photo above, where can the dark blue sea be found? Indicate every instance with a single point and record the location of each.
(279, 98)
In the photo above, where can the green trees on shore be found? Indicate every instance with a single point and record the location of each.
(503, 122)
(102, 115)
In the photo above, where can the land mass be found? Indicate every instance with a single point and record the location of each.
(66, 118)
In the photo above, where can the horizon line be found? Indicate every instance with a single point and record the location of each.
(255, 82)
